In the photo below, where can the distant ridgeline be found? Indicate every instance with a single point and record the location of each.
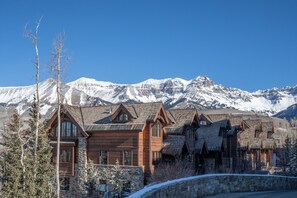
(200, 92)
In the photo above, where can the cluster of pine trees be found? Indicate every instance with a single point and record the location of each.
(24, 173)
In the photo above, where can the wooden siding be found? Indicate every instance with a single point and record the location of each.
(140, 149)
(146, 148)
(114, 142)
(151, 144)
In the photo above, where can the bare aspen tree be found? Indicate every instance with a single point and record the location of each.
(24, 141)
(34, 38)
(56, 68)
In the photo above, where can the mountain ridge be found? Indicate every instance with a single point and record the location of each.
(199, 92)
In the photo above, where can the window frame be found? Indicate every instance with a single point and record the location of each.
(131, 158)
(156, 157)
(69, 155)
(100, 154)
(68, 152)
(257, 133)
(202, 123)
(158, 131)
(123, 117)
(68, 130)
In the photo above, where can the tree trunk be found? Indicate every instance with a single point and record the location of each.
(58, 70)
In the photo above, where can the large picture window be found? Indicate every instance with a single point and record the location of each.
(127, 157)
(68, 129)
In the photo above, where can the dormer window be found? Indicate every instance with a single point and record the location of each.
(203, 123)
(68, 129)
(123, 117)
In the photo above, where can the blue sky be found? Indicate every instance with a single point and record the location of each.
(248, 44)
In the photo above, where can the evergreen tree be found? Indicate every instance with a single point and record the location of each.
(116, 179)
(290, 156)
(43, 165)
(11, 169)
(92, 179)
(292, 161)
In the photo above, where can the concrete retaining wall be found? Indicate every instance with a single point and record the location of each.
(203, 185)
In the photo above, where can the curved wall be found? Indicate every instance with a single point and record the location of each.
(203, 185)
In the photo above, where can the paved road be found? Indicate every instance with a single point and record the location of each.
(264, 194)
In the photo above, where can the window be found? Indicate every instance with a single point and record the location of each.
(190, 133)
(103, 157)
(269, 134)
(202, 123)
(65, 183)
(156, 130)
(74, 130)
(127, 157)
(123, 117)
(257, 132)
(67, 130)
(65, 155)
(157, 156)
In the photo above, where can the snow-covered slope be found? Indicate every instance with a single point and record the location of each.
(200, 92)
(290, 112)
(22, 97)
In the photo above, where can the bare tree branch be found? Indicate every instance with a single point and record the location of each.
(34, 38)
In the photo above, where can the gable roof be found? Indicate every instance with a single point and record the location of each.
(205, 118)
(119, 110)
(97, 118)
(210, 134)
(180, 118)
(74, 113)
(199, 145)
(253, 123)
(173, 145)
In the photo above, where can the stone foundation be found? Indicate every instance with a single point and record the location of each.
(132, 174)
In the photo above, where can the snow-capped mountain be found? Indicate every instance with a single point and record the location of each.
(290, 112)
(200, 92)
(22, 97)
